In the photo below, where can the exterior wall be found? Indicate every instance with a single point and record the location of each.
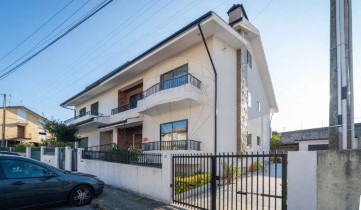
(150, 182)
(303, 145)
(225, 60)
(307, 134)
(20, 116)
(338, 179)
(92, 135)
(258, 122)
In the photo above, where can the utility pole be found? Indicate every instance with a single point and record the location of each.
(3, 128)
(341, 112)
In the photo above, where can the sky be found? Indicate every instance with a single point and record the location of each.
(295, 36)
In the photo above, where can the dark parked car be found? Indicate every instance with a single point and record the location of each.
(9, 153)
(27, 183)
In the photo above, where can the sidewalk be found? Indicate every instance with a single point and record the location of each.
(113, 198)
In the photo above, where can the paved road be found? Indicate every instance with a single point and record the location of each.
(68, 207)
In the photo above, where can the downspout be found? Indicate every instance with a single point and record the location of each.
(215, 87)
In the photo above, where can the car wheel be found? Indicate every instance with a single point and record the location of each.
(81, 195)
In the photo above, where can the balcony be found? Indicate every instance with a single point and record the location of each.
(88, 117)
(172, 145)
(186, 87)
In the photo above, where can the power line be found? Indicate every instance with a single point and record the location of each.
(6, 74)
(28, 37)
(262, 10)
(41, 42)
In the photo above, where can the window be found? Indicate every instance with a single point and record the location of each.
(174, 78)
(259, 106)
(258, 141)
(174, 131)
(249, 140)
(83, 142)
(249, 59)
(15, 169)
(82, 112)
(94, 108)
(249, 100)
(133, 100)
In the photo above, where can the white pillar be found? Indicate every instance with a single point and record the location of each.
(28, 152)
(115, 135)
(42, 154)
(56, 157)
(167, 177)
(80, 160)
(68, 158)
(302, 180)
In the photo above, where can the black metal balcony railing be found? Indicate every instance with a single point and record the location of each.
(172, 145)
(172, 83)
(82, 115)
(125, 107)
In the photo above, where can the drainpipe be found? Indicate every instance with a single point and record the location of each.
(215, 87)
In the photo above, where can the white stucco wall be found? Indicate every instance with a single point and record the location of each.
(148, 181)
(302, 180)
(258, 122)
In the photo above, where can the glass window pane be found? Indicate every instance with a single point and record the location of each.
(22, 169)
(166, 132)
(180, 130)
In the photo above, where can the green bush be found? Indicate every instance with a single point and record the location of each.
(184, 184)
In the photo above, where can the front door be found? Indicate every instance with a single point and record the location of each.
(137, 140)
(28, 184)
(21, 131)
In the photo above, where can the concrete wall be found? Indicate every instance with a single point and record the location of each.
(338, 179)
(148, 181)
(324, 180)
(302, 181)
(49, 159)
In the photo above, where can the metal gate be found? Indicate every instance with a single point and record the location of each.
(230, 181)
(61, 158)
(74, 160)
(35, 153)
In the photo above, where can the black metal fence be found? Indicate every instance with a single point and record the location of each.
(172, 145)
(35, 153)
(103, 147)
(230, 181)
(144, 159)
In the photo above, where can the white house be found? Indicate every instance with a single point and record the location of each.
(204, 88)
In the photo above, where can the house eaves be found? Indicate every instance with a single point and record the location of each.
(189, 35)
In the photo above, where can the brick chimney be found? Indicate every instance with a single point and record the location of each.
(236, 13)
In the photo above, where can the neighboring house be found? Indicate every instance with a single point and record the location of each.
(165, 98)
(312, 139)
(21, 124)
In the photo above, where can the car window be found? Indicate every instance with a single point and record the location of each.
(21, 169)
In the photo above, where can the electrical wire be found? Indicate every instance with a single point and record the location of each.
(12, 70)
(34, 32)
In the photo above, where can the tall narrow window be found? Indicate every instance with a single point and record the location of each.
(94, 108)
(249, 59)
(174, 131)
(258, 141)
(259, 106)
(249, 99)
(249, 140)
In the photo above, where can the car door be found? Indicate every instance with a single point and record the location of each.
(28, 184)
(1, 192)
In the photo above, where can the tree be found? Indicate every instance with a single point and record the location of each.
(61, 132)
(276, 141)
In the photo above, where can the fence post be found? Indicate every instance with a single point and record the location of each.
(56, 156)
(42, 154)
(28, 152)
(167, 177)
(68, 158)
(213, 182)
(80, 159)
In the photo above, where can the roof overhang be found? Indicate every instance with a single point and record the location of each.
(211, 24)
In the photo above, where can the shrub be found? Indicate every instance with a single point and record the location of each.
(190, 182)
(256, 165)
